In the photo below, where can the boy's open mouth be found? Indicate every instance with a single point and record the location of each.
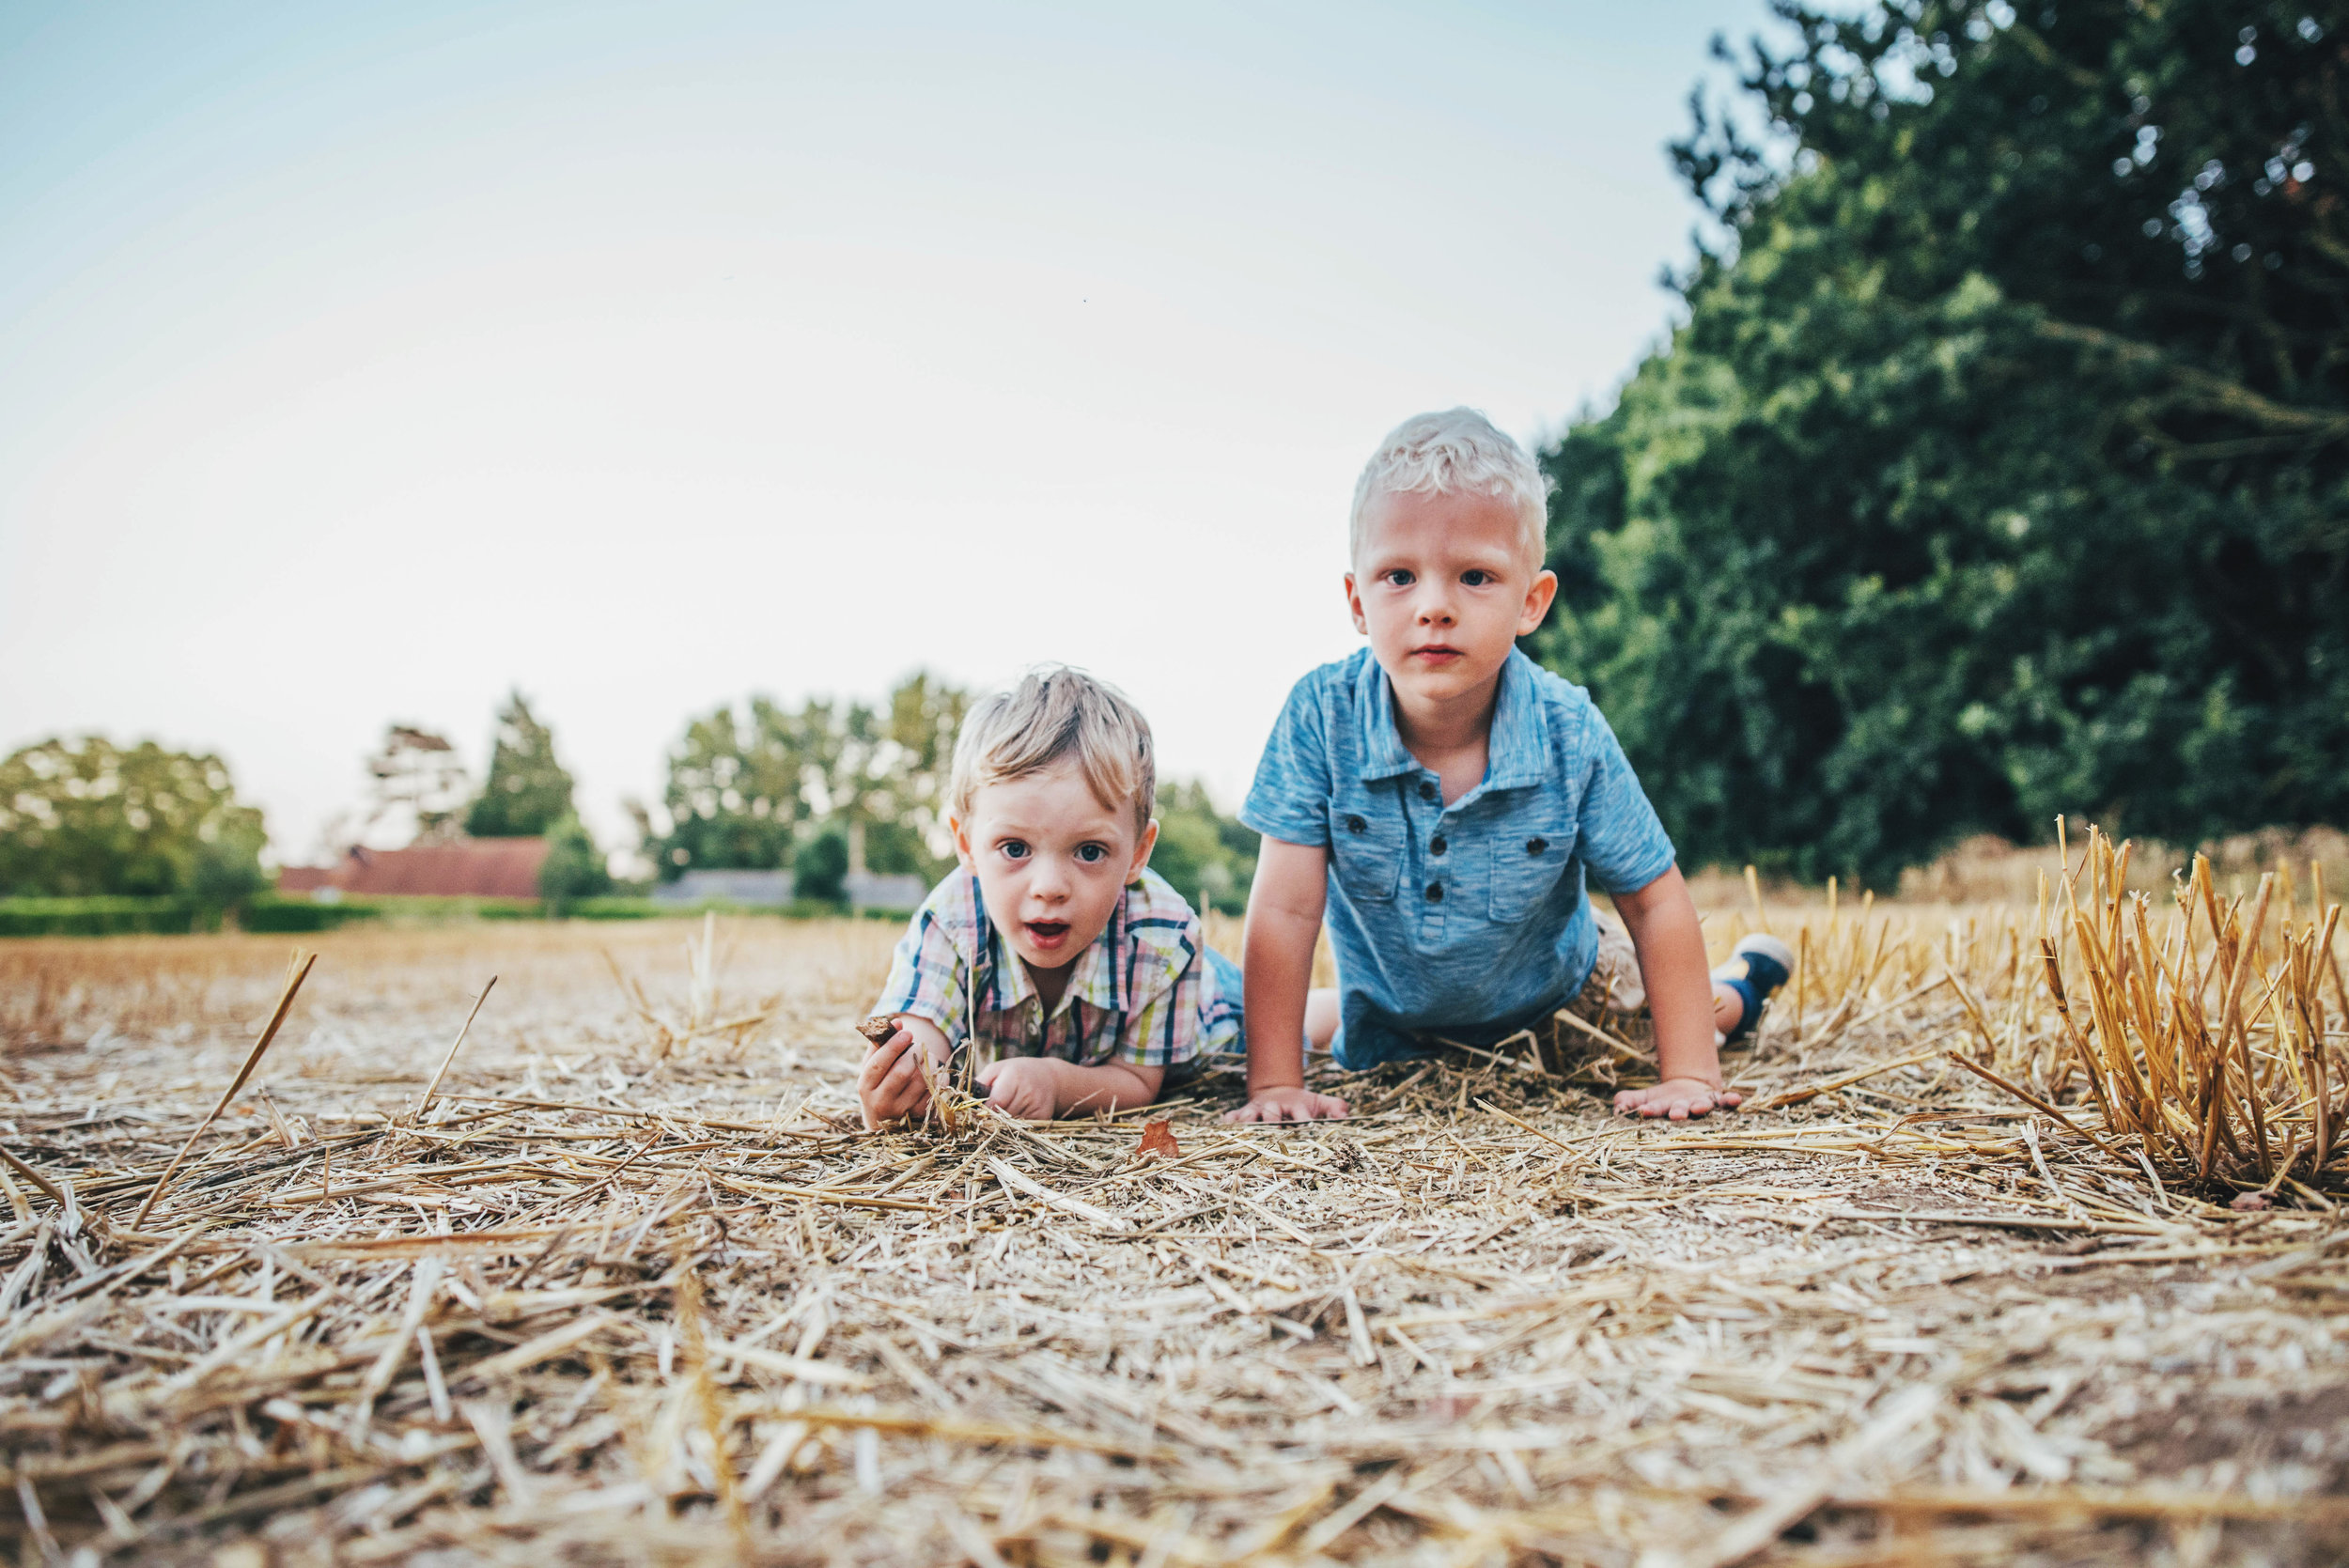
(1046, 933)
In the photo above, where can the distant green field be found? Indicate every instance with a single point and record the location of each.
(118, 917)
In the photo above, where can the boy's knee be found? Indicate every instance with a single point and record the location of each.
(1321, 1019)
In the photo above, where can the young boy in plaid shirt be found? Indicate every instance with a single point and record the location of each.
(1074, 974)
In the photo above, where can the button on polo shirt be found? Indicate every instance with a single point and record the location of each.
(1464, 918)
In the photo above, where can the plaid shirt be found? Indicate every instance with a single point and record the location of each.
(1135, 996)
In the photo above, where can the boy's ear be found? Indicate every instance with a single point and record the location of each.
(962, 842)
(1142, 851)
(1354, 605)
(1538, 596)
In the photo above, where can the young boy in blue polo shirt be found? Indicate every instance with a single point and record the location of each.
(1441, 800)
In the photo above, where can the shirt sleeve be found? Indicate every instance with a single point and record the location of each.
(927, 977)
(1290, 797)
(1622, 842)
(1165, 1033)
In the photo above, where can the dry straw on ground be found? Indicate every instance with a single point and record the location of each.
(632, 1287)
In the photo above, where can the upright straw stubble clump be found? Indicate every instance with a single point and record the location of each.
(2199, 1036)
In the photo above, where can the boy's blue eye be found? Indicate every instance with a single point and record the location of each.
(1091, 854)
(1013, 850)
(1476, 577)
(1400, 577)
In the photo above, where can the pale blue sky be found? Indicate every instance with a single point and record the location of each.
(359, 361)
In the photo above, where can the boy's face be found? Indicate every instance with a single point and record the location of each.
(1443, 589)
(1052, 860)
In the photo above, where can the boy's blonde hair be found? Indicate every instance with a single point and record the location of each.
(1456, 451)
(1053, 713)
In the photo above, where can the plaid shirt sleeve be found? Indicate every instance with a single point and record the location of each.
(1165, 1033)
(930, 973)
(1161, 1029)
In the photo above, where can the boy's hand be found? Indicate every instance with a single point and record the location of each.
(1676, 1097)
(890, 1085)
(1288, 1105)
(1662, 920)
(1027, 1087)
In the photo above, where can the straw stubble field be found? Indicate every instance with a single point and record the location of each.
(633, 1288)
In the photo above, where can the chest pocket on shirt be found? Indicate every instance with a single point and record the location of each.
(1365, 852)
(1527, 866)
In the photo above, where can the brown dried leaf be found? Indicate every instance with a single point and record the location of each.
(878, 1028)
(1157, 1142)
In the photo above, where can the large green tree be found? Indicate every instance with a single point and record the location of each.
(83, 817)
(574, 867)
(2001, 466)
(734, 799)
(1208, 857)
(748, 789)
(528, 790)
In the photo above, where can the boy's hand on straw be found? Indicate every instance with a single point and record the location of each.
(1678, 1098)
(1289, 1105)
(1665, 932)
(890, 1085)
(1027, 1087)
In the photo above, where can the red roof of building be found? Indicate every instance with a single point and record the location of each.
(466, 868)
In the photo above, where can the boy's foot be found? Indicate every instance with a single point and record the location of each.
(1758, 965)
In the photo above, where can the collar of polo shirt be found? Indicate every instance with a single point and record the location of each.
(1518, 749)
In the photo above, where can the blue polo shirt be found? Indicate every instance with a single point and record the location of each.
(1468, 920)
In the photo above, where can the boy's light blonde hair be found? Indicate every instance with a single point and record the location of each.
(1456, 451)
(1053, 713)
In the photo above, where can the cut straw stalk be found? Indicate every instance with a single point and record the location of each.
(297, 971)
(2035, 1103)
(33, 1176)
(432, 1090)
(1843, 1081)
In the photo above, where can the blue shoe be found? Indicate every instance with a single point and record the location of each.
(1757, 966)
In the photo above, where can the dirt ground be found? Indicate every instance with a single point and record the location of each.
(633, 1288)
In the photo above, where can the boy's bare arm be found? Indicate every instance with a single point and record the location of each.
(1285, 906)
(1662, 920)
(1039, 1088)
